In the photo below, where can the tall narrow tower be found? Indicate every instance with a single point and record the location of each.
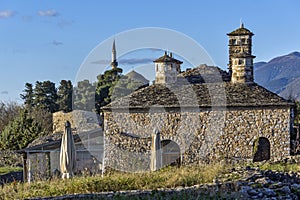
(114, 63)
(240, 64)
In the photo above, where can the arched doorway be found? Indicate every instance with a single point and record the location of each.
(261, 149)
(170, 152)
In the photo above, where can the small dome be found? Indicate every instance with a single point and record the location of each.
(133, 75)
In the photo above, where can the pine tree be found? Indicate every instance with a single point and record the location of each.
(27, 95)
(84, 96)
(65, 92)
(45, 96)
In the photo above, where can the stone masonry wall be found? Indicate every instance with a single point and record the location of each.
(80, 120)
(202, 136)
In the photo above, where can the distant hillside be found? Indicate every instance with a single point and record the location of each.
(280, 75)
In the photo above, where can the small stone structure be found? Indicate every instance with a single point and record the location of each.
(204, 115)
(81, 120)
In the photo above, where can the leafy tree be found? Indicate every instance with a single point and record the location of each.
(45, 96)
(105, 85)
(8, 112)
(124, 86)
(84, 96)
(27, 95)
(65, 92)
(26, 127)
(113, 85)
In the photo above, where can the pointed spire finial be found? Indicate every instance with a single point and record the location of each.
(241, 23)
(114, 52)
(114, 63)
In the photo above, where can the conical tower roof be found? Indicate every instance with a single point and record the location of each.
(240, 31)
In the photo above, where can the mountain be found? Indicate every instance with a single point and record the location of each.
(280, 75)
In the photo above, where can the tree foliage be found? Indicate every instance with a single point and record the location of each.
(112, 85)
(84, 96)
(65, 92)
(8, 111)
(28, 95)
(105, 85)
(45, 96)
(24, 128)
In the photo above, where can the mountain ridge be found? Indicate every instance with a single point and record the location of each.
(280, 75)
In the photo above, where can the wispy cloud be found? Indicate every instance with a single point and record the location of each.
(57, 43)
(64, 23)
(97, 62)
(132, 61)
(48, 13)
(4, 92)
(126, 61)
(6, 14)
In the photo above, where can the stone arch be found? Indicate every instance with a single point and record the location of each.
(170, 153)
(261, 149)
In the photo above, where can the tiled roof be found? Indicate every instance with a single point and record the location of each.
(167, 58)
(199, 95)
(240, 31)
(203, 86)
(53, 141)
(205, 74)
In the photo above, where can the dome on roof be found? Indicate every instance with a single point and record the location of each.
(133, 75)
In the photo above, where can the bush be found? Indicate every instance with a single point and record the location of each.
(25, 128)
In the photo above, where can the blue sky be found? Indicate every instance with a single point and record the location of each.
(50, 39)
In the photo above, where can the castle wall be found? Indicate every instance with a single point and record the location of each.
(202, 136)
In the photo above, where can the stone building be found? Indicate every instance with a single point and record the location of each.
(200, 115)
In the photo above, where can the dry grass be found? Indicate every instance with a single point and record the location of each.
(280, 167)
(169, 177)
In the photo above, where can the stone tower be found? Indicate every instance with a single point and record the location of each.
(240, 64)
(114, 63)
(166, 69)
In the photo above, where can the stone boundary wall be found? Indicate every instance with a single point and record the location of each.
(197, 191)
(202, 136)
(80, 120)
(10, 158)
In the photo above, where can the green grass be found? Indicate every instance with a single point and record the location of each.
(6, 170)
(169, 177)
(280, 167)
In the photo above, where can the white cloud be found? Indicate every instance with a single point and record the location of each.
(6, 14)
(48, 13)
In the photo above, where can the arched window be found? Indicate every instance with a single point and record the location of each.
(261, 149)
(170, 153)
